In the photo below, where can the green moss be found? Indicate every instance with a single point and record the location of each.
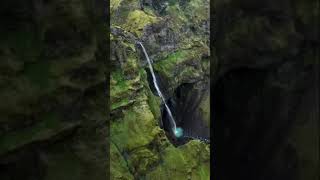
(142, 160)
(122, 11)
(123, 102)
(192, 13)
(206, 65)
(204, 172)
(167, 65)
(137, 128)
(188, 72)
(130, 68)
(153, 101)
(119, 168)
(114, 5)
(120, 85)
(177, 15)
(178, 56)
(197, 11)
(137, 20)
(142, 148)
(180, 163)
(125, 85)
(181, 66)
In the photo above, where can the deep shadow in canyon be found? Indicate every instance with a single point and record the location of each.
(186, 107)
(184, 104)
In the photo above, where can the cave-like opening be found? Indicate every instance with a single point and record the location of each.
(185, 103)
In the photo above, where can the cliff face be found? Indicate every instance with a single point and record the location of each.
(266, 93)
(175, 35)
(52, 100)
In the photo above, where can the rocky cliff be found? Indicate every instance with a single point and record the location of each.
(176, 36)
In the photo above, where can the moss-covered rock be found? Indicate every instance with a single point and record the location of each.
(118, 164)
(182, 66)
(180, 163)
(174, 36)
(137, 20)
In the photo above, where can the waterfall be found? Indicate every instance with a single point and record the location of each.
(176, 131)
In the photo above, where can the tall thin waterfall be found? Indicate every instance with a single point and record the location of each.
(172, 121)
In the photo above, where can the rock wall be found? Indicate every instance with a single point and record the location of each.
(175, 35)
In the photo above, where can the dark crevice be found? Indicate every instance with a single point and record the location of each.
(183, 104)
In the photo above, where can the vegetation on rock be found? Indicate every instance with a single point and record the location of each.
(138, 142)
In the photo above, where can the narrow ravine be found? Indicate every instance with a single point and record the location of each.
(176, 131)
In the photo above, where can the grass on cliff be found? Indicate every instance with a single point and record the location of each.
(180, 163)
(137, 20)
(180, 66)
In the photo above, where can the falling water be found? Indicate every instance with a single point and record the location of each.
(175, 130)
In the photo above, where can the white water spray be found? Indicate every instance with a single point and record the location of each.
(175, 130)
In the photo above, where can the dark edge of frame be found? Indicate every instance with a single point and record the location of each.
(212, 72)
(103, 21)
(106, 36)
(214, 130)
(317, 73)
